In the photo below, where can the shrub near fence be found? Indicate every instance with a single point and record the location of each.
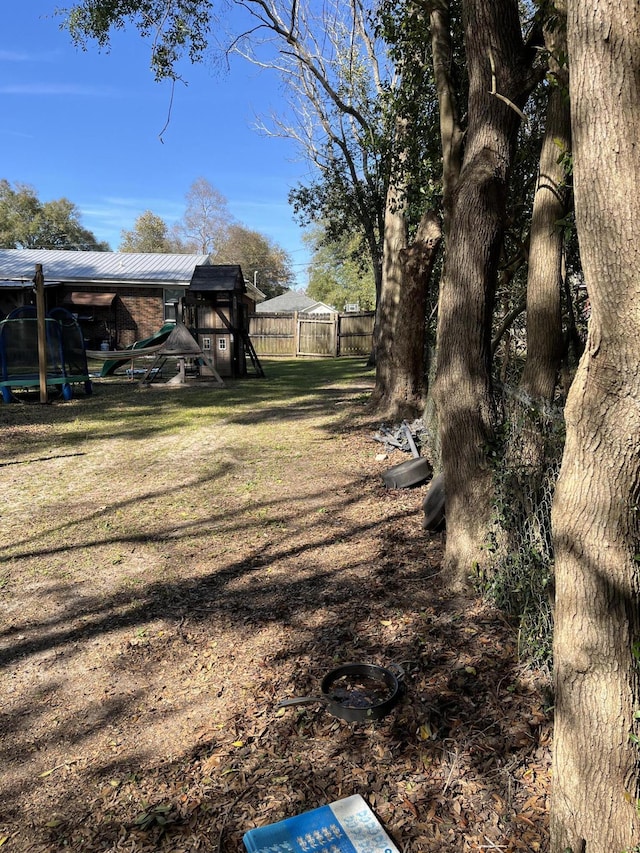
(294, 335)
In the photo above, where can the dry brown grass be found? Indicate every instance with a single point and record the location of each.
(174, 563)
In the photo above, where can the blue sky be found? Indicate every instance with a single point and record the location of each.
(87, 126)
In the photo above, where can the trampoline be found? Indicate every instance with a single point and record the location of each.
(66, 356)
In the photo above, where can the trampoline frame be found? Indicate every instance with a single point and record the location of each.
(57, 375)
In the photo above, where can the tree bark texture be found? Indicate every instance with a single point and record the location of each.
(451, 140)
(544, 282)
(463, 391)
(400, 366)
(528, 450)
(595, 519)
(400, 363)
(417, 262)
(451, 135)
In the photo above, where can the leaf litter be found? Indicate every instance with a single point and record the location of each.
(141, 694)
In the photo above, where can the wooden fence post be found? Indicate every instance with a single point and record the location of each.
(296, 335)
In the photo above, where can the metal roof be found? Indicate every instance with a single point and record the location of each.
(254, 292)
(98, 267)
(290, 301)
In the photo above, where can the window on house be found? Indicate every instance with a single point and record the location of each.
(222, 344)
(172, 297)
(206, 343)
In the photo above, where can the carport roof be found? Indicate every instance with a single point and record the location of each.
(18, 266)
(24, 282)
(98, 300)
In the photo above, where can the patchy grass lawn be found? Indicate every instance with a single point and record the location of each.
(175, 562)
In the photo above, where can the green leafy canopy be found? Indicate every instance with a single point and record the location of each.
(177, 28)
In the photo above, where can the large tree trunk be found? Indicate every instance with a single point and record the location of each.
(451, 140)
(595, 515)
(544, 283)
(451, 135)
(376, 262)
(400, 355)
(463, 391)
(400, 367)
(532, 452)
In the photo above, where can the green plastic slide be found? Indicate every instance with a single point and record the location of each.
(110, 366)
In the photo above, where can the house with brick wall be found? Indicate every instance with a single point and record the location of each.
(119, 297)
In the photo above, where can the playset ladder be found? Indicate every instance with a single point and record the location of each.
(250, 351)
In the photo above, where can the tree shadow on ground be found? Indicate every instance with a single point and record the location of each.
(145, 716)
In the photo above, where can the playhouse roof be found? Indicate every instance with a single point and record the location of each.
(221, 277)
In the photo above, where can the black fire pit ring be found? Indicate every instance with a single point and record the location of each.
(357, 692)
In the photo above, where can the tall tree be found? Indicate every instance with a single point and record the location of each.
(173, 30)
(411, 236)
(546, 243)
(400, 386)
(262, 261)
(370, 106)
(150, 233)
(339, 274)
(338, 75)
(206, 221)
(213, 232)
(596, 523)
(500, 81)
(28, 223)
(448, 93)
(400, 364)
(331, 61)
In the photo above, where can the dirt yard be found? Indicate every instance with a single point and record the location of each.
(174, 563)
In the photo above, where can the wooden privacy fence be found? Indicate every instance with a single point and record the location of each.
(297, 334)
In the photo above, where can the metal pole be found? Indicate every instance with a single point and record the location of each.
(42, 333)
